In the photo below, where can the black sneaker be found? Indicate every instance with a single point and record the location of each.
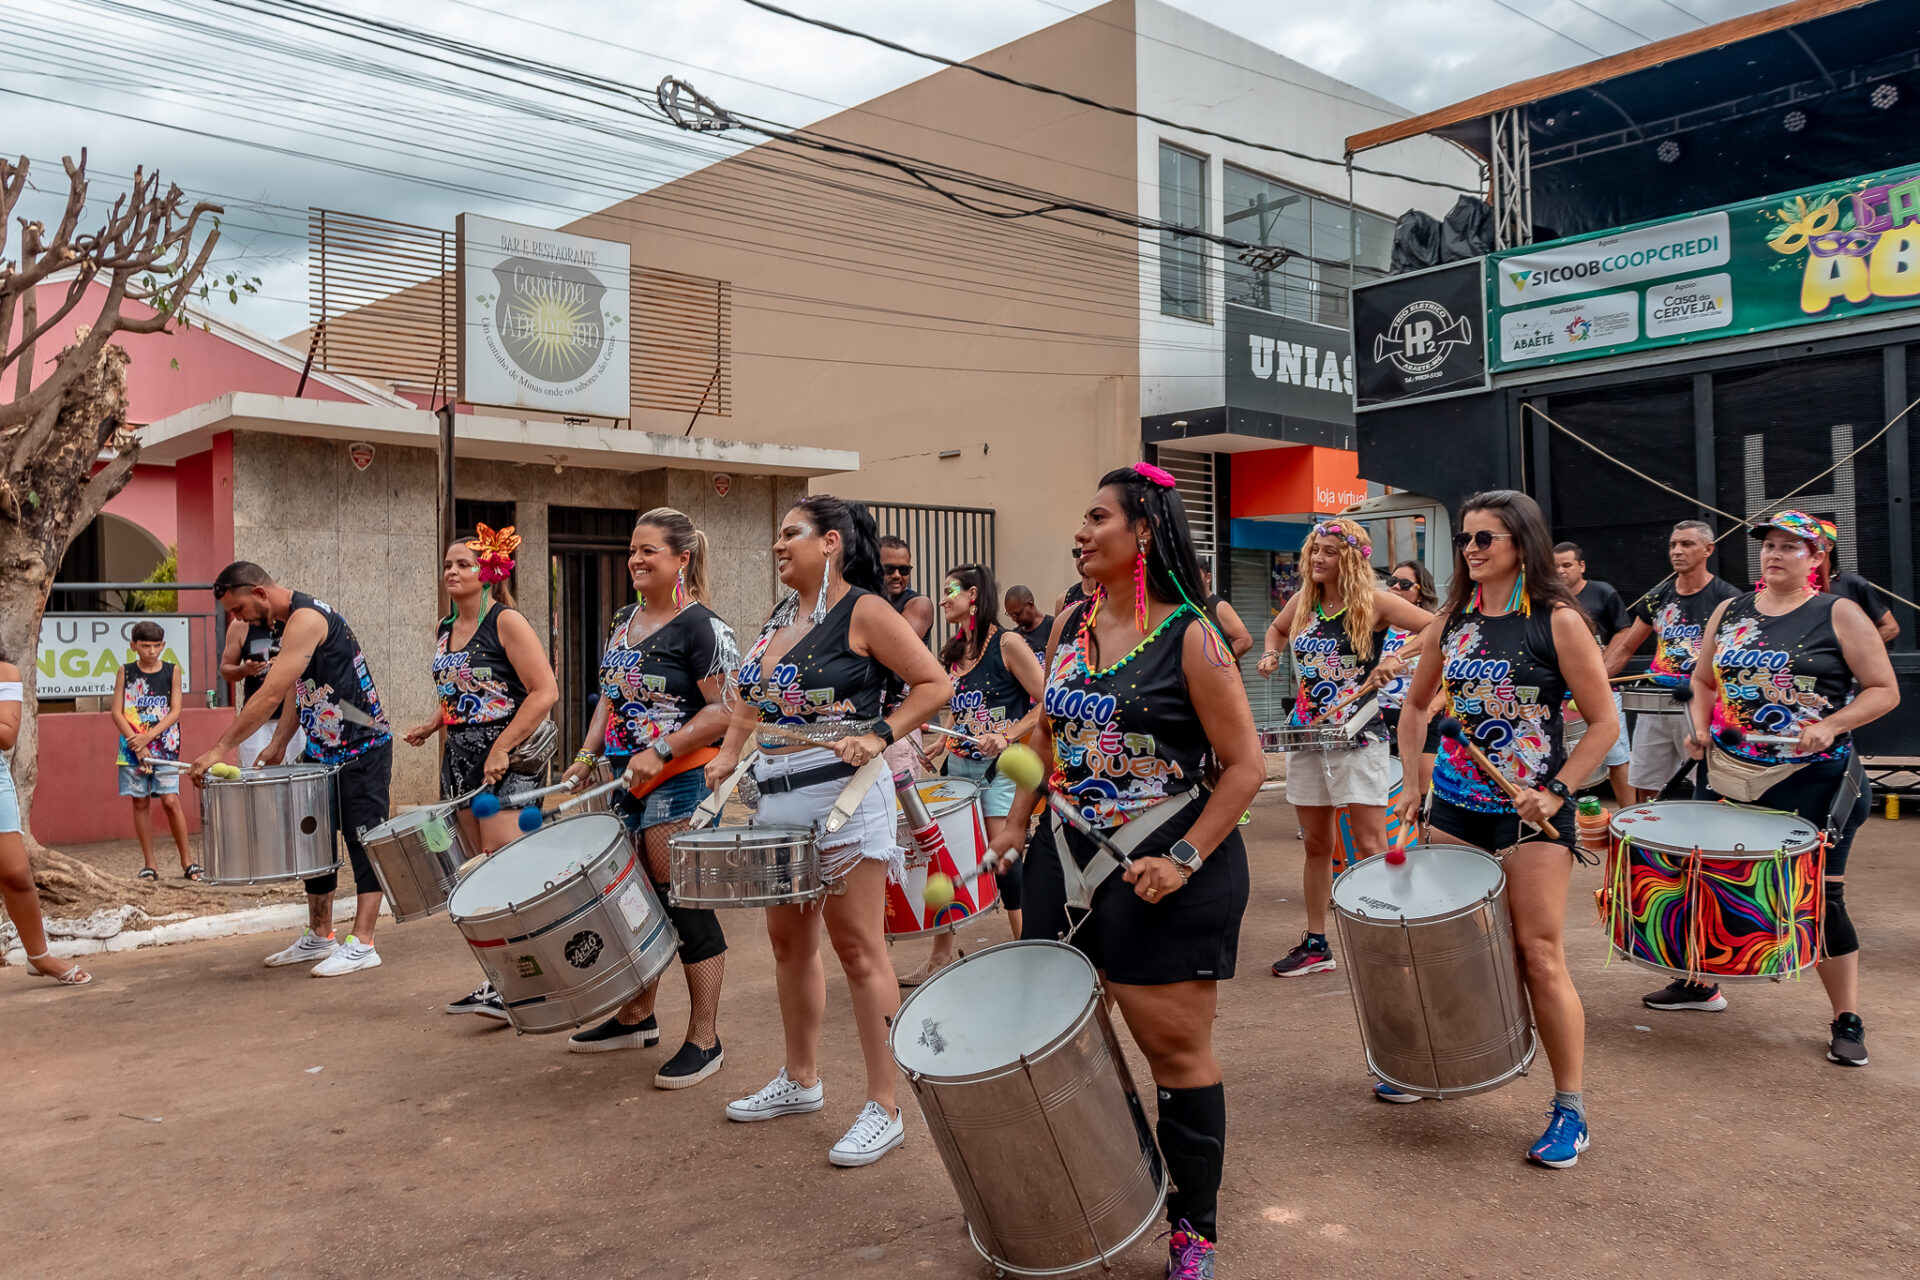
(1308, 957)
(472, 1003)
(1681, 994)
(493, 1007)
(615, 1034)
(689, 1066)
(1849, 1044)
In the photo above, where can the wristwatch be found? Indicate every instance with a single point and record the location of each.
(663, 748)
(1557, 787)
(884, 732)
(1184, 856)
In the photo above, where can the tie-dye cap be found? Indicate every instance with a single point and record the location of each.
(1797, 523)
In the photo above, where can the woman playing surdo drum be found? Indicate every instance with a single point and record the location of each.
(1511, 642)
(823, 659)
(494, 687)
(1151, 742)
(1335, 628)
(1783, 662)
(665, 697)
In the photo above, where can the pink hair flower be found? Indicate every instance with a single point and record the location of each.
(1153, 475)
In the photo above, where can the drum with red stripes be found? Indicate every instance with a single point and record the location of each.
(564, 923)
(960, 821)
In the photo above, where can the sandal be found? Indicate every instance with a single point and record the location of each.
(194, 871)
(75, 976)
(147, 873)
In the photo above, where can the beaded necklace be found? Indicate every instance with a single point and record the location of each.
(1083, 642)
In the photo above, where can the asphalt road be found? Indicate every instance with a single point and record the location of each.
(169, 1121)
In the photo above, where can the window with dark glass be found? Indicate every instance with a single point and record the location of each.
(1183, 259)
(1311, 284)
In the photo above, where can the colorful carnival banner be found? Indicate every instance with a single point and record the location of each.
(1824, 253)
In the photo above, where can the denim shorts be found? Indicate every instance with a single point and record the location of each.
(996, 797)
(672, 801)
(140, 784)
(9, 799)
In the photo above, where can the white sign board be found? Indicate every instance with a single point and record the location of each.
(81, 653)
(543, 319)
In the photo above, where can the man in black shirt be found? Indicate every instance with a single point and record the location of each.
(1856, 588)
(1034, 626)
(1608, 614)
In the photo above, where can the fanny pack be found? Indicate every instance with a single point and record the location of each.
(1745, 781)
(534, 752)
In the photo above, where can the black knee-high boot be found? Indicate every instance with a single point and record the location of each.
(1193, 1138)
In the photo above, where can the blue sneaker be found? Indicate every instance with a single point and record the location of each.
(1566, 1137)
(1387, 1093)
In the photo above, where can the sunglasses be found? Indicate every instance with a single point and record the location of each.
(1483, 539)
(1401, 584)
(896, 568)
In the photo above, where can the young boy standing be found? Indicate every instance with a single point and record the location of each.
(146, 709)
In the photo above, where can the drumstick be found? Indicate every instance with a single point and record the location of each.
(950, 733)
(1073, 819)
(1453, 731)
(1644, 675)
(1364, 687)
(1731, 736)
(585, 796)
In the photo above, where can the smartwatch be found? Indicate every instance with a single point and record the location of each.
(663, 748)
(884, 732)
(1557, 787)
(1184, 856)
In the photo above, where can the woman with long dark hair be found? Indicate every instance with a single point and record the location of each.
(1783, 662)
(821, 663)
(1410, 580)
(997, 684)
(495, 688)
(1151, 741)
(664, 705)
(1510, 644)
(1333, 629)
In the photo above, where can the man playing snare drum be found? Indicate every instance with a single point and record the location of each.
(321, 663)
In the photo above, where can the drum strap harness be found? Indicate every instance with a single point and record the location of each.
(1081, 882)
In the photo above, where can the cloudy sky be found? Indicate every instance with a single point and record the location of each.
(269, 106)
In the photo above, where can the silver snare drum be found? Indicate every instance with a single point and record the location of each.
(758, 866)
(564, 923)
(1013, 1060)
(269, 825)
(418, 855)
(1291, 737)
(1435, 983)
(1651, 700)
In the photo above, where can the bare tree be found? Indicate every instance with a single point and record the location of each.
(55, 432)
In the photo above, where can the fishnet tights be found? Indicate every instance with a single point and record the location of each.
(703, 979)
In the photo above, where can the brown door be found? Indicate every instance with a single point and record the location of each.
(588, 547)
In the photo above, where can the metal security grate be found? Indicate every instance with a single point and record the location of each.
(380, 298)
(1256, 601)
(1193, 479)
(682, 355)
(940, 538)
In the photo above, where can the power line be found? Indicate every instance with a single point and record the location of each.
(1085, 101)
(1604, 18)
(1538, 23)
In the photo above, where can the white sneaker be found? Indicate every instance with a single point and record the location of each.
(874, 1133)
(781, 1097)
(353, 956)
(311, 947)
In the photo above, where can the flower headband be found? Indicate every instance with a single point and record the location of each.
(1333, 529)
(496, 552)
(1153, 475)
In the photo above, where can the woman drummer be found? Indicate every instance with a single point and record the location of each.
(1511, 643)
(1334, 628)
(1153, 746)
(1781, 662)
(495, 688)
(664, 705)
(819, 667)
(997, 684)
(1410, 580)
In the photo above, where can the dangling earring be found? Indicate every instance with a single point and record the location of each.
(1519, 598)
(1140, 588)
(819, 614)
(680, 596)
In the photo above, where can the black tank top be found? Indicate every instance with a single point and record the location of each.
(652, 684)
(253, 648)
(986, 699)
(894, 691)
(477, 684)
(1328, 670)
(1779, 673)
(821, 680)
(337, 673)
(1125, 737)
(1503, 683)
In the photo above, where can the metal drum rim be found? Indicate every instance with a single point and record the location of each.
(1020, 1063)
(954, 804)
(1104, 1257)
(1729, 855)
(706, 837)
(306, 773)
(1478, 904)
(1505, 1078)
(553, 888)
(955, 927)
(277, 877)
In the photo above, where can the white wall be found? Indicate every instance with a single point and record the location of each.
(1194, 72)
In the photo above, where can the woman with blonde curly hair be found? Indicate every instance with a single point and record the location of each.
(1333, 626)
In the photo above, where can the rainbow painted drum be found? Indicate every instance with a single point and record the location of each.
(1701, 889)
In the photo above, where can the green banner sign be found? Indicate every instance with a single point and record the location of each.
(1846, 249)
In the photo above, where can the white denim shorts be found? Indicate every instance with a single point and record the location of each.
(869, 833)
(1659, 749)
(1326, 778)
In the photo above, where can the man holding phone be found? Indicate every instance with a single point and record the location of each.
(245, 657)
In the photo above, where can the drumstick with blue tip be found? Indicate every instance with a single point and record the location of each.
(1453, 731)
